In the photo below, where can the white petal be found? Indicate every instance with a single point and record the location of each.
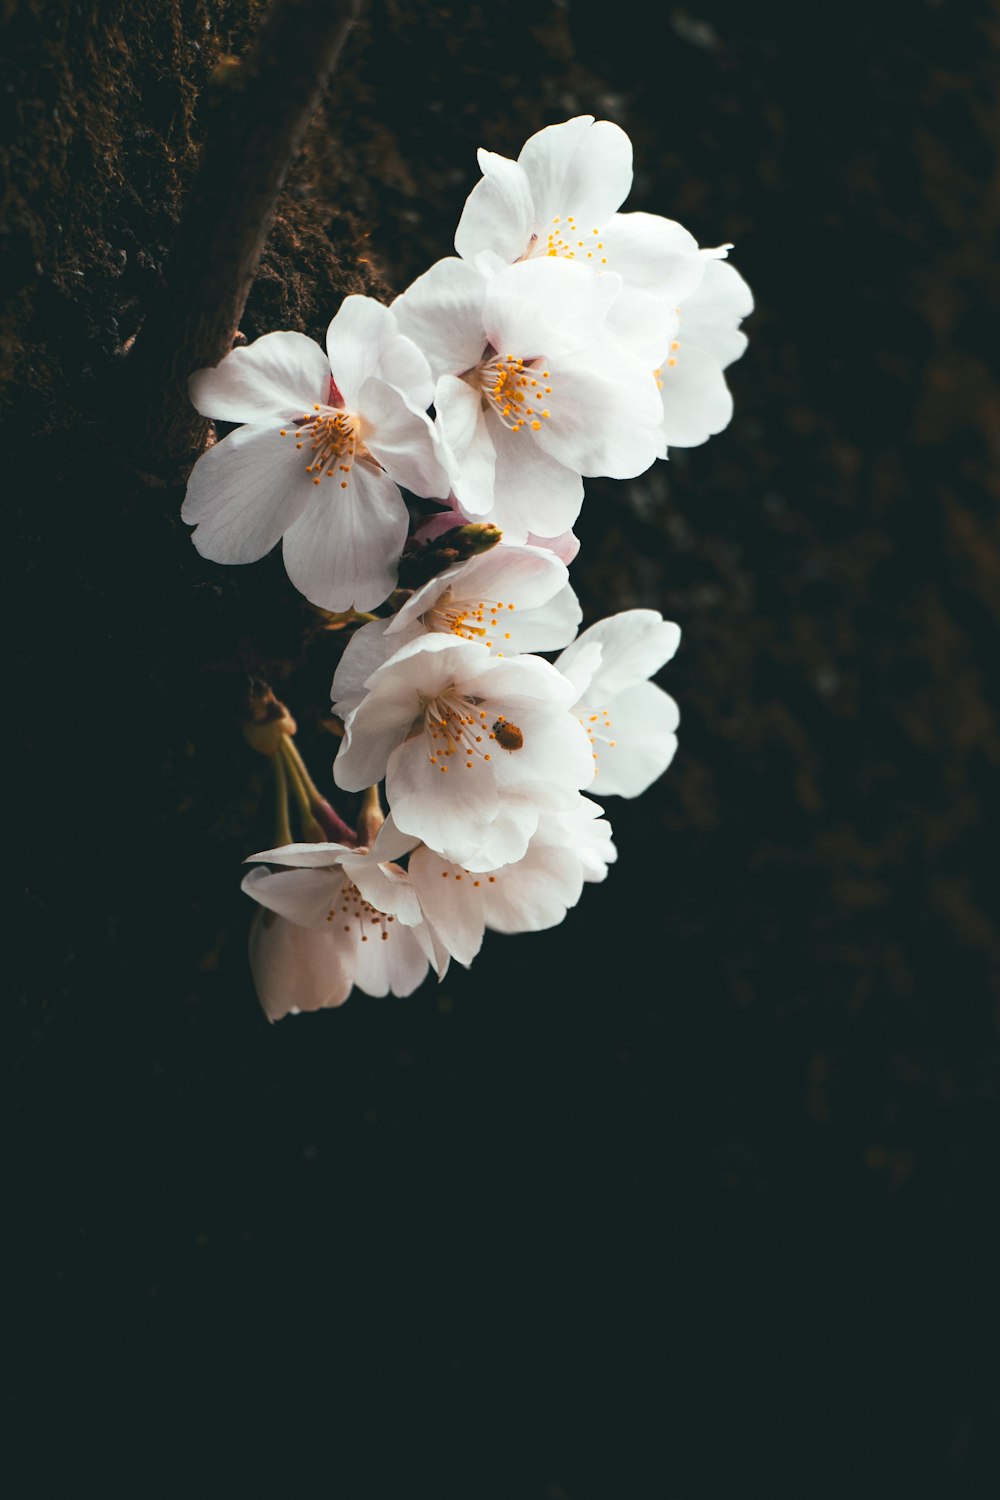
(525, 577)
(634, 644)
(654, 253)
(302, 896)
(507, 838)
(390, 843)
(302, 856)
(644, 324)
(364, 340)
(578, 664)
(365, 652)
(371, 733)
(442, 313)
(387, 890)
(534, 894)
(555, 749)
(447, 809)
(295, 968)
(468, 449)
(711, 316)
(403, 440)
(605, 413)
(396, 965)
(533, 492)
(643, 724)
(343, 552)
(566, 546)
(244, 493)
(498, 214)
(579, 167)
(696, 399)
(533, 308)
(452, 902)
(279, 375)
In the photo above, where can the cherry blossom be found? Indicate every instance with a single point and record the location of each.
(514, 599)
(533, 389)
(472, 746)
(336, 917)
(567, 849)
(326, 441)
(565, 547)
(696, 398)
(630, 722)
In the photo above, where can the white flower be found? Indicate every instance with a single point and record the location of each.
(567, 849)
(532, 389)
(336, 917)
(631, 722)
(472, 746)
(559, 201)
(696, 398)
(326, 442)
(513, 599)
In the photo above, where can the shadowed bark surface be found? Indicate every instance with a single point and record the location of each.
(691, 1196)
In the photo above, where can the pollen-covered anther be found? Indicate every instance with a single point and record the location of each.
(450, 729)
(332, 439)
(507, 384)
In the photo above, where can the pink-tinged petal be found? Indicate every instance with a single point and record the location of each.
(279, 375)
(654, 254)
(304, 897)
(388, 891)
(442, 313)
(433, 948)
(711, 316)
(452, 901)
(533, 492)
(606, 410)
(499, 214)
(395, 966)
(295, 968)
(566, 546)
(446, 808)
(696, 400)
(366, 651)
(364, 341)
(244, 493)
(536, 893)
(581, 168)
(634, 644)
(343, 552)
(640, 743)
(390, 843)
(302, 856)
(468, 449)
(403, 440)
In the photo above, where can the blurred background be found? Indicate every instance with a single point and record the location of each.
(693, 1196)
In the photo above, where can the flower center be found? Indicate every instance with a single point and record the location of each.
(351, 908)
(566, 239)
(330, 441)
(459, 726)
(516, 388)
(469, 619)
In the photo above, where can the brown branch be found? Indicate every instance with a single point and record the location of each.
(257, 119)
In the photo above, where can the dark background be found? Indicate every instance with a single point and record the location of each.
(692, 1197)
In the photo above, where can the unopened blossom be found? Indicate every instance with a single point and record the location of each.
(512, 599)
(472, 746)
(696, 399)
(336, 917)
(567, 849)
(533, 389)
(630, 722)
(565, 547)
(327, 440)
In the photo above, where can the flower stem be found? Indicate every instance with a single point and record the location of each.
(312, 833)
(334, 826)
(282, 827)
(371, 817)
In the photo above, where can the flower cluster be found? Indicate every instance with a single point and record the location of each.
(564, 340)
